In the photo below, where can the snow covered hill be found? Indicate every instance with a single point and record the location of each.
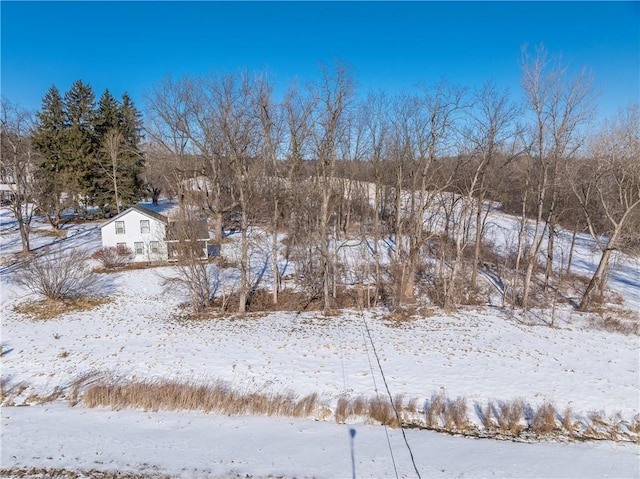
(481, 354)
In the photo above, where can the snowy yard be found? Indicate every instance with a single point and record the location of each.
(481, 354)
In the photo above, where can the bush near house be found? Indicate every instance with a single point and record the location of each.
(113, 257)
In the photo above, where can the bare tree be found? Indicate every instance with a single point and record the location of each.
(490, 136)
(240, 136)
(187, 118)
(561, 105)
(58, 275)
(424, 130)
(376, 132)
(272, 128)
(334, 95)
(195, 274)
(301, 218)
(113, 146)
(16, 165)
(608, 187)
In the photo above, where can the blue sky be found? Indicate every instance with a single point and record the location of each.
(129, 46)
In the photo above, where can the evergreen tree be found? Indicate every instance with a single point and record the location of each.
(90, 154)
(131, 128)
(81, 144)
(107, 115)
(52, 173)
(130, 122)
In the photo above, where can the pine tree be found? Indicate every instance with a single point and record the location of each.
(90, 154)
(131, 128)
(52, 173)
(81, 144)
(107, 115)
(130, 121)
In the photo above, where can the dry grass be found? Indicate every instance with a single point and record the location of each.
(401, 315)
(596, 426)
(3, 389)
(217, 397)
(510, 416)
(49, 472)
(375, 408)
(9, 393)
(261, 300)
(52, 396)
(623, 323)
(381, 410)
(48, 309)
(412, 406)
(444, 414)
(634, 425)
(455, 415)
(435, 410)
(487, 417)
(544, 420)
(570, 426)
(346, 408)
(440, 414)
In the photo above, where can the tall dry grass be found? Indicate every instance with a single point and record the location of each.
(218, 397)
(512, 419)
(544, 421)
(375, 408)
(442, 413)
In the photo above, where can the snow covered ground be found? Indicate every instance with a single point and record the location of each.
(194, 445)
(480, 354)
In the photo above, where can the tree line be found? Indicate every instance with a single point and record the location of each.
(76, 153)
(405, 177)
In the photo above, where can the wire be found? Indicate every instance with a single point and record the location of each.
(375, 387)
(404, 436)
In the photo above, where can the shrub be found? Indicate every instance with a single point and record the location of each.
(58, 275)
(455, 415)
(113, 256)
(509, 417)
(381, 410)
(435, 410)
(544, 422)
(568, 424)
(487, 417)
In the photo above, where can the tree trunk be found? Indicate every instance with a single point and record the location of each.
(24, 236)
(115, 185)
(595, 284)
(324, 246)
(274, 254)
(477, 244)
(573, 243)
(548, 272)
(244, 255)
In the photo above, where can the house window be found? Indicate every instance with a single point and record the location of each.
(121, 248)
(144, 226)
(139, 248)
(119, 227)
(154, 246)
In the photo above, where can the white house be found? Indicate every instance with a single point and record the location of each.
(139, 229)
(152, 236)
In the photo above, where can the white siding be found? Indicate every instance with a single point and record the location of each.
(133, 235)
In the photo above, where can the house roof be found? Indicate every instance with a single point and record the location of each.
(139, 209)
